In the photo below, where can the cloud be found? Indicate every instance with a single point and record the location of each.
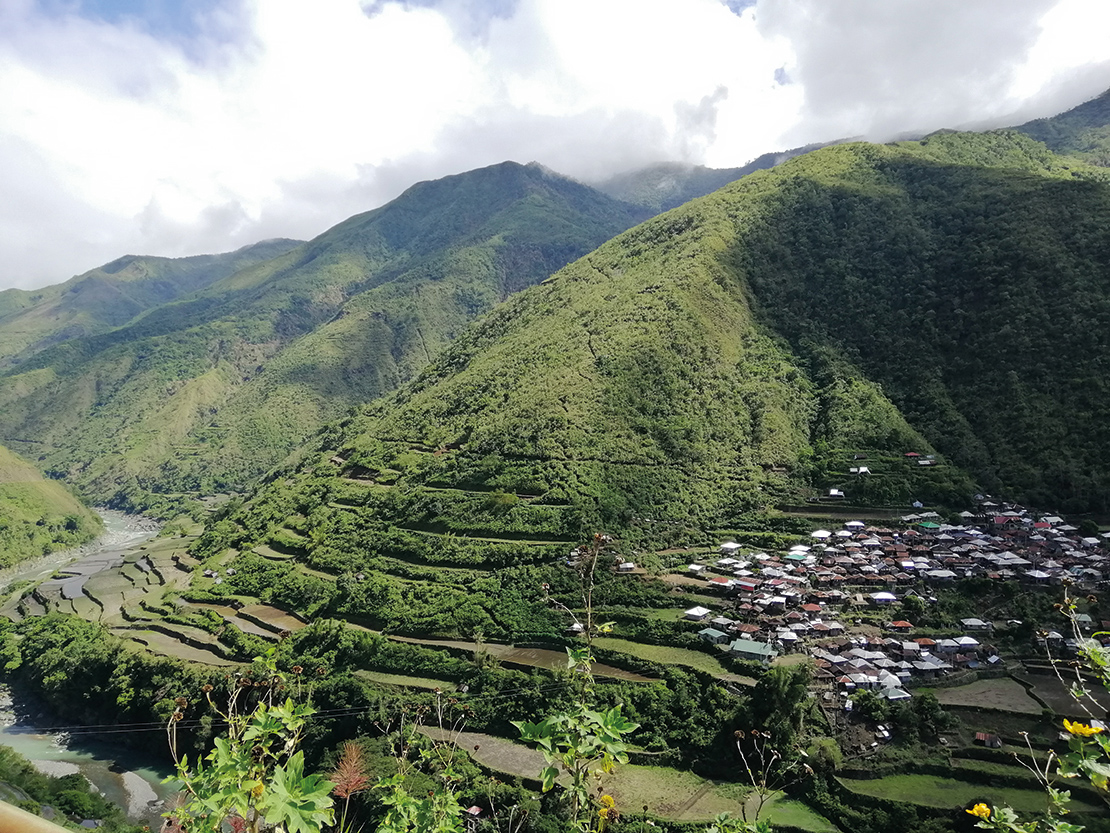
(883, 69)
(205, 126)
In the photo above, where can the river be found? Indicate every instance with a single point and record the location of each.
(120, 774)
(121, 532)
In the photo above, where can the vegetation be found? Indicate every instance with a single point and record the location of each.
(1083, 131)
(39, 515)
(202, 394)
(739, 352)
(69, 795)
(111, 295)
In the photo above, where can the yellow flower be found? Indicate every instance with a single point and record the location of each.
(603, 812)
(257, 789)
(1081, 729)
(981, 810)
(608, 801)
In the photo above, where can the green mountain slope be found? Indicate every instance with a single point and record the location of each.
(205, 393)
(38, 516)
(1083, 131)
(946, 297)
(112, 295)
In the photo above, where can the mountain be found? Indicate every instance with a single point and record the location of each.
(112, 295)
(205, 393)
(38, 515)
(667, 185)
(1083, 131)
(938, 308)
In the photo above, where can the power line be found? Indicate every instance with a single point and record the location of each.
(321, 715)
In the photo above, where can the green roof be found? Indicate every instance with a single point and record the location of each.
(747, 646)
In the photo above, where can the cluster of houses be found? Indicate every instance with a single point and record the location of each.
(793, 601)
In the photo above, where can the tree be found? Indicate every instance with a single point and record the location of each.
(870, 705)
(781, 701)
(913, 606)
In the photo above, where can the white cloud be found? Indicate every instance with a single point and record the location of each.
(281, 118)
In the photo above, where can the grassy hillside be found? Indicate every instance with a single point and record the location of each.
(112, 295)
(38, 516)
(205, 393)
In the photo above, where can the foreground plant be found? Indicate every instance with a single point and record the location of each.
(254, 778)
(583, 743)
(438, 810)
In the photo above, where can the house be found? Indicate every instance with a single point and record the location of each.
(747, 649)
(974, 625)
(901, 626)
(713, 636)
(883, 598)
(696, 614)
(626, 567)
(729, 548)
(988, 740)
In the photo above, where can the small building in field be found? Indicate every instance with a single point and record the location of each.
(747, 649)
(989, 740)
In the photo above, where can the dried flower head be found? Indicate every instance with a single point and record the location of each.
(350, 775)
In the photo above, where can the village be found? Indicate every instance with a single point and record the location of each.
(829, 598)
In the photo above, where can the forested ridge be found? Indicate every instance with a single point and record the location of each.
(112, 295)
(206, 392)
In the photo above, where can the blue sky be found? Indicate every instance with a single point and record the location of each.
(172, 127)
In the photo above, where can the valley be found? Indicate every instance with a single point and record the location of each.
(149, 595)
(807, 468)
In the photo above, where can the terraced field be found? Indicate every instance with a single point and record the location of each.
(403, 681)
(674, 656)
(232, 617)
(166, 645)
(667, 793)
(1057, 696)
(933, 791)
(530, 657)
(273, 618)
(1004, 694)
